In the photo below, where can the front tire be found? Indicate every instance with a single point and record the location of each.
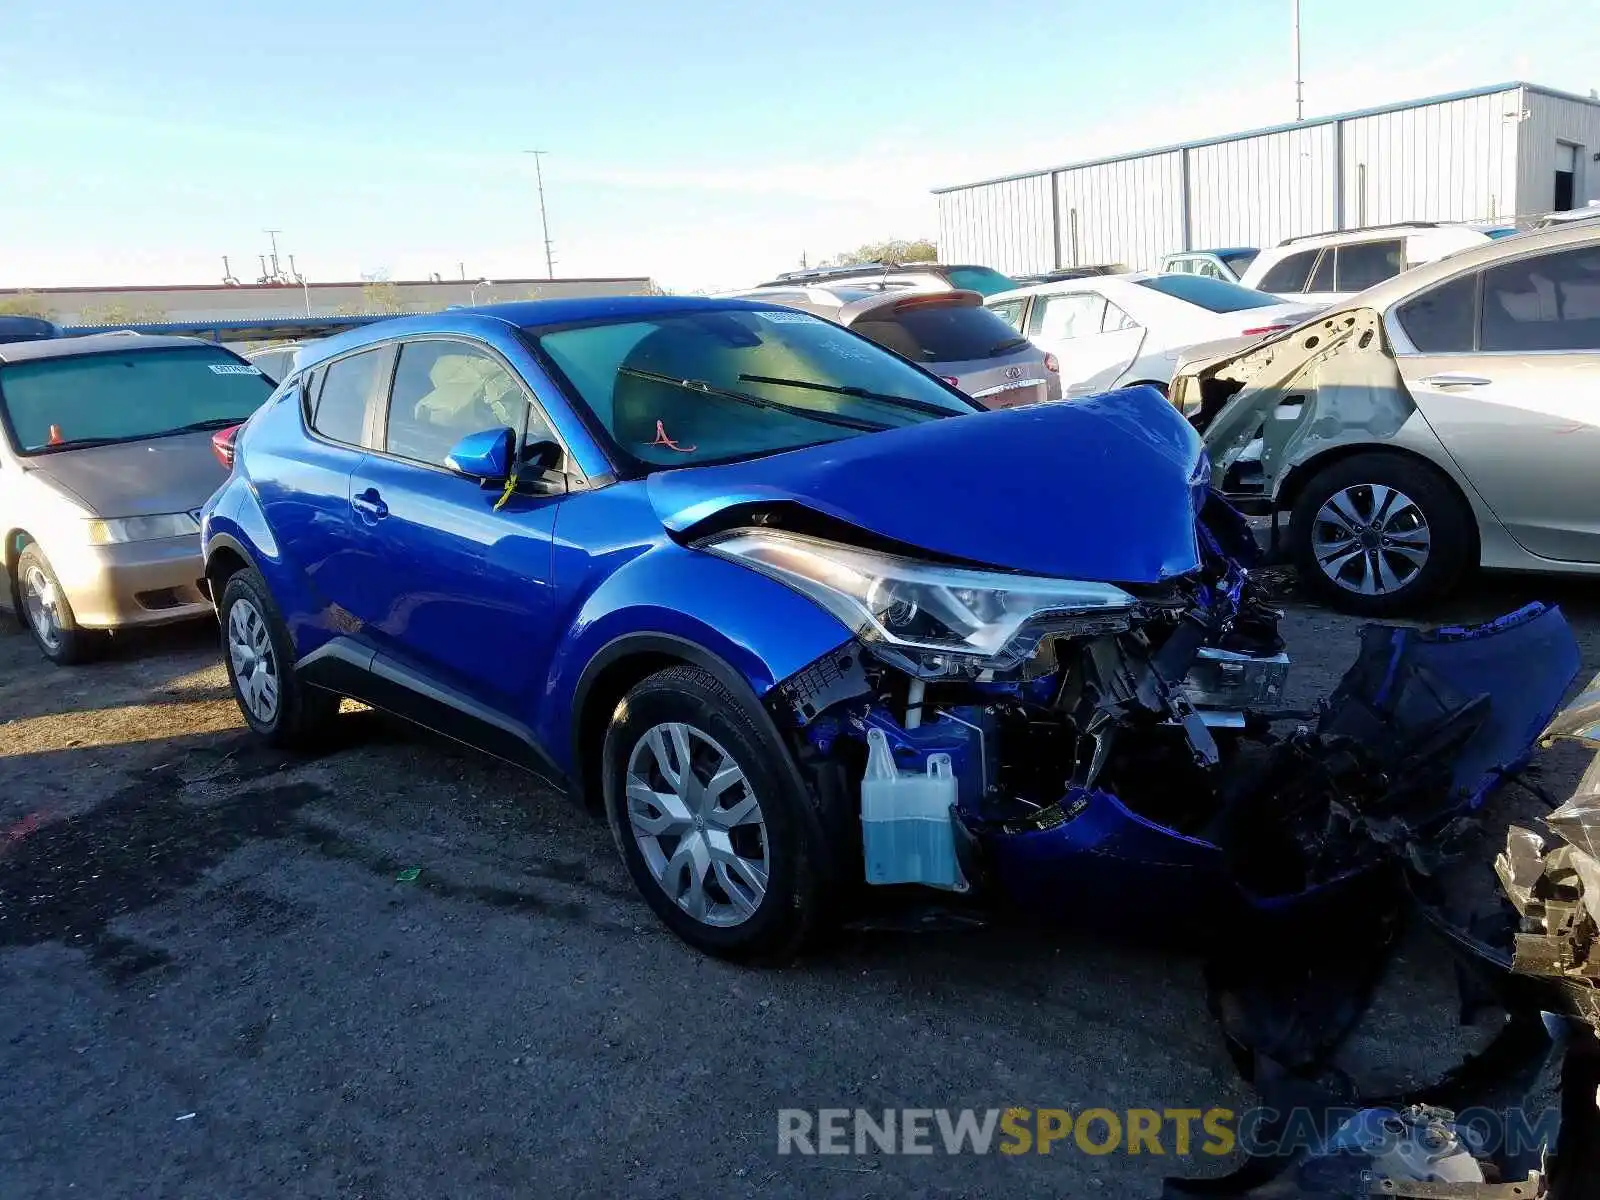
(710, 826)
(259, 658)
(43, 607)
(1380, 534)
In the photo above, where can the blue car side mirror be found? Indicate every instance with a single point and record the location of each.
(485, 455)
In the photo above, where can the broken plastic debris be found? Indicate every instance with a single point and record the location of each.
(409, 875)
(1578, 821)
(1520, 866)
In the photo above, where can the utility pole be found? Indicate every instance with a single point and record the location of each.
(544, 221)
(1299, 82)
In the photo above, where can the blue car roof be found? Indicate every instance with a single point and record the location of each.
(526, 314)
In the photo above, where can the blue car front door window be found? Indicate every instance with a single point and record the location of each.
(445, 390)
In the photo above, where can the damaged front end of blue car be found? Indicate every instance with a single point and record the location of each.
(1121, 751)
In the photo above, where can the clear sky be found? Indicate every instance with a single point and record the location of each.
(703, 142)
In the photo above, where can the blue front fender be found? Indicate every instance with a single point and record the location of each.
(670, 599)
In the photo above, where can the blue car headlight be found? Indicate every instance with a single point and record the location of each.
(933, 621)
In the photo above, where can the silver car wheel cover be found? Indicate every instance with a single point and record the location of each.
(698, 824)
(252, 661)
(43, 605)
(1371, 539)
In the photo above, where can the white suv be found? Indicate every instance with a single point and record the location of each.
(1323, 268)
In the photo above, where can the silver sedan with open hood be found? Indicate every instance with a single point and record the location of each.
(1446, 419)
(109, 445)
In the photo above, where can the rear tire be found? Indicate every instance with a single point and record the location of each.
(732, 870)
(43, 608)
(1380, 534)
(259, 657)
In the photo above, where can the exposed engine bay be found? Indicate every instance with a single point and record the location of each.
(1154, 741)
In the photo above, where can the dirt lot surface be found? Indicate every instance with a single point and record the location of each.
(217, 983)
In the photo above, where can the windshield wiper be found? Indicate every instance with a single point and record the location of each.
(1016, 343)
(79, 443)
(213, 423)
(705, 389)
(841, 390)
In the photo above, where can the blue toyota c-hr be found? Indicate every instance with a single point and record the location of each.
(694, 560)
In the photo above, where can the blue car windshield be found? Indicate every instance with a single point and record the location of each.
(684, 389)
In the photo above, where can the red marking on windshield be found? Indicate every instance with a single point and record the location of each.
(663, 440)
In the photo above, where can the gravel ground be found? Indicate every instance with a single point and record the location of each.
(217, 984)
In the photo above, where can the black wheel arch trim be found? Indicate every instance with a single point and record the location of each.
(226, 541)
(630, 645)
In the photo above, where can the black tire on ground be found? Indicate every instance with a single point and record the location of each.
(302, 714)
(1451, 534)
(66, 644)
(792, 908)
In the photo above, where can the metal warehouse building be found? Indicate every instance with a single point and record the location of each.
(1490, 153)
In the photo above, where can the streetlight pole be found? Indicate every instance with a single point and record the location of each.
(544, 221)
(1299, 81)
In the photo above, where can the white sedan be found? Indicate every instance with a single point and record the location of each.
(1111, 331)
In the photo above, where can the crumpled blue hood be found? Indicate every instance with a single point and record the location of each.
(1100, 488)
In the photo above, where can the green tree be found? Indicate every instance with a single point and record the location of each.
(894, 252)
(122, 312)
(26, 304)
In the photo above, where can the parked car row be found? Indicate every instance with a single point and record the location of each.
(716, 565)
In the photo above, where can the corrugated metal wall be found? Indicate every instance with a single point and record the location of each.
(1454, 161)
(1463, 159)
(1552, 121)
(1128, 212)
(1002, 225)
(1258, 191)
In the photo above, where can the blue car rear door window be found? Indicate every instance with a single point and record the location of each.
(338, 408)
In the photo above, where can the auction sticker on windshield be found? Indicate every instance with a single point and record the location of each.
(233, 369)
(780, 316)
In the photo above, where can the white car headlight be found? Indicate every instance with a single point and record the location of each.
(141, 529)
(931, 620)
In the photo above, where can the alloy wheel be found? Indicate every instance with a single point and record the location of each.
(698, 824)
(1371, 539)
(43, 605)
(254, 663)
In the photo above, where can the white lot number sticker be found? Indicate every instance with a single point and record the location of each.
(234, 369)
(836, 347)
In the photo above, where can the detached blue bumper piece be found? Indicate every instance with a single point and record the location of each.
(1521, 665)
(1419, 730)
